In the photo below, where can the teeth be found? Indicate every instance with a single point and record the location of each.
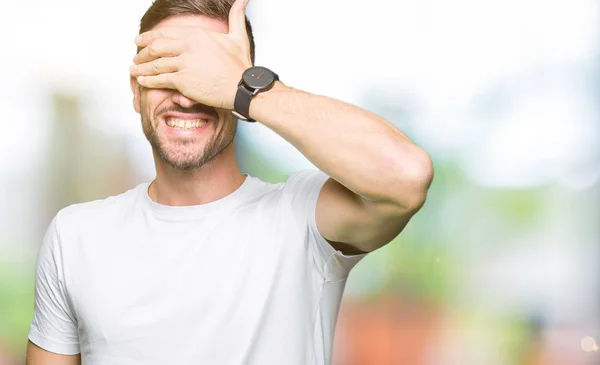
(186, 124)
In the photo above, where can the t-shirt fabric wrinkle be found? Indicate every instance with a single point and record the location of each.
(247, 279)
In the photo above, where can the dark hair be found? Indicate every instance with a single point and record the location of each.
(215, 9)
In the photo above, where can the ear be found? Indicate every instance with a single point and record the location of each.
(135, 89)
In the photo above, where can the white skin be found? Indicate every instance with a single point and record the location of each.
(379, 178)
(194, 166)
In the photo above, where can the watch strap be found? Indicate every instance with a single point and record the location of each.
(241, 104)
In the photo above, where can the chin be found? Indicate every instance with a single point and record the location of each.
(184, 164)
(183, 157)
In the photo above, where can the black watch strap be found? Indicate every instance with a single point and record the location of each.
(241, 104)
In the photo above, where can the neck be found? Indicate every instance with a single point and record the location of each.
(213, 181)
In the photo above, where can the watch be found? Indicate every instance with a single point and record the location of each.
(254, 80)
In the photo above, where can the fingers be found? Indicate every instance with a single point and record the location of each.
(162, 81)
(158, 66)
(237, 21)
(159, 48)
(150, 36)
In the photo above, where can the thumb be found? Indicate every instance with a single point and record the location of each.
(237, 20)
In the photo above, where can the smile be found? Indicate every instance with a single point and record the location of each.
(186, 124)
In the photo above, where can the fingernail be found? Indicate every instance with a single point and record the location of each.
(140, 79)
(138, 39)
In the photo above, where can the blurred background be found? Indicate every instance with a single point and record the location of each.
(501, 267)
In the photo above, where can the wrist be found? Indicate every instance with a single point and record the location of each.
(261, 101)
(255, 81)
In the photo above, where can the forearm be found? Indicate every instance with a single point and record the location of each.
(360, 150)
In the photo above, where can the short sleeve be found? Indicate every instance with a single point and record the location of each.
(303, 189)
(54, 327)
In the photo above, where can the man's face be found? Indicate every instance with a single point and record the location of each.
(183, 133)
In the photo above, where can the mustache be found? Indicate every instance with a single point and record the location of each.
(198, 108)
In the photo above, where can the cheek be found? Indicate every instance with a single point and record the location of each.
(150, 100)
(228, 120)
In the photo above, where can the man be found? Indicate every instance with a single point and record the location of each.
(206, 265)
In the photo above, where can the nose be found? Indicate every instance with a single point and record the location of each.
(182, 100)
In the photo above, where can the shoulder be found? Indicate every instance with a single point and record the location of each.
(304, 177)
(304, 185)
(297, 186)
(92, 212)
(296, 196)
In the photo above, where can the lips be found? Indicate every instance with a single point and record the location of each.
(186, 124)
(187, 121)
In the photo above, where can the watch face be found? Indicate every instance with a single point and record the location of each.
(258, 77)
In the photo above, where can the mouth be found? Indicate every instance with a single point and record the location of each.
(186, 123)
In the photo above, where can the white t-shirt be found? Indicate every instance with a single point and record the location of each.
(246, 279)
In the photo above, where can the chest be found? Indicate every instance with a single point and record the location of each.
(143, 284)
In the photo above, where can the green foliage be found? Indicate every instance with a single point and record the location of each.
(518, 208)
(254, 163)
(420, 269)
(16, 305)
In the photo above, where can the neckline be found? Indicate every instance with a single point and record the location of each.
(200, 210)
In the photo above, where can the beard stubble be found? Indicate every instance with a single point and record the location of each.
(191, 159)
